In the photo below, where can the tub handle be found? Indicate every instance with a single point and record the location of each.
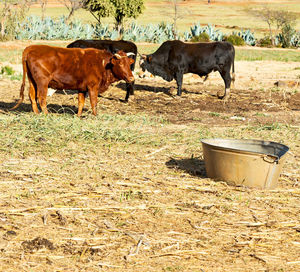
(271, 159)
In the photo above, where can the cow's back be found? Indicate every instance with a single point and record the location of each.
(66, 68)
(109, 45)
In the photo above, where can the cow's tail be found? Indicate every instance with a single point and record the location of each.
(233, 73)
(24, 63)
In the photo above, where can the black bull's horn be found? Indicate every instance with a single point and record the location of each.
(119, 56)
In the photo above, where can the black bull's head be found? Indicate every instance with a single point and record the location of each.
(156, 67)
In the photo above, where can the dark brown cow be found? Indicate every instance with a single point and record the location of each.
(86, 70)
(112, 47)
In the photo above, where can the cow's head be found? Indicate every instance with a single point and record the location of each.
(156, 66)
(145, 62)
(121, 66)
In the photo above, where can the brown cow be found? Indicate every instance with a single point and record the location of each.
(86, 70)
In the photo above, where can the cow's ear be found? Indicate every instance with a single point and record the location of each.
(149, 58)
(131, 60)
(113, 61)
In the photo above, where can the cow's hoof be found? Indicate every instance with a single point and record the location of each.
(221, 95)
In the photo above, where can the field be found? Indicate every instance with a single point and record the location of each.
(127, 190)
(227, 15)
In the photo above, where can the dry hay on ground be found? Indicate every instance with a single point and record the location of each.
(132, 208)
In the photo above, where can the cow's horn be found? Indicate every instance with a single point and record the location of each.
(130, 54)
(118, 56)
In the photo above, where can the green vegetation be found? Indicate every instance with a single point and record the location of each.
(197, 10)
(284, 22)
(271, 54)
(235, 39)
(203, 37)
(51, 133)
(265, 42)
(119, 10)
(15, 55)
(7, 70)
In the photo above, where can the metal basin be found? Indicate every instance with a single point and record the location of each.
(251, 163)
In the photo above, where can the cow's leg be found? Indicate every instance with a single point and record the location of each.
(42, 95)
(129, 90)
(81, 99)
(93, 94)
(179, 78)
(225, 74)
(32, 96)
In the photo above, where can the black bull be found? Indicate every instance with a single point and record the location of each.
(175, 58)
(112, 47)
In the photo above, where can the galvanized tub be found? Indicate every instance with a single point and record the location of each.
(252, 163)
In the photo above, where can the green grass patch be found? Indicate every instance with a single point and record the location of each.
(52, 134)
(14, 55)
(267, 54)
(242, 53)
(214, 114)
(56, 134)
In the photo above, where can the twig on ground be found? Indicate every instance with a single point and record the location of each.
(156, 151)
(258, 258)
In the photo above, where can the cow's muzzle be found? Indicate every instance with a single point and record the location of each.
(130, 79)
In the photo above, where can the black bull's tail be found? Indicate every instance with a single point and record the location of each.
(24, 63)
(233, 73)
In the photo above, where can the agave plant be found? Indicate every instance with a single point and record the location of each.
(295, 40)
(101, 31)
(214, 35)
(34, 28)
(187, 36)
(196, 29)
(134, 33)
(248, 37)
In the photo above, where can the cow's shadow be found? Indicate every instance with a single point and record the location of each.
(192, 166)
(161, 89)
(26, 108)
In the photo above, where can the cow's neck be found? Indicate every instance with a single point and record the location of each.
(107, 80)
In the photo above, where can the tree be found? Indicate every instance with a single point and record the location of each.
(43, 4)
(119, 9)
(267, 15)
(11, 12)
(284, 22)
(99, 8)
(126, 9)
(72, 6)
(176, 12)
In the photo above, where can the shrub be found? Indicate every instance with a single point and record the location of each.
(265, 42)
(235, 39)
(11, 12)
(287, 32)
(203, 37)
(7, 70)
(295, 40)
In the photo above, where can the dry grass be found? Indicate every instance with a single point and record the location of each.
(225, 15)
(127, 190)
(78, 201)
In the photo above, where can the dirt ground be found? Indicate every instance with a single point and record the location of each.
(171, 217)
(271, 88)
